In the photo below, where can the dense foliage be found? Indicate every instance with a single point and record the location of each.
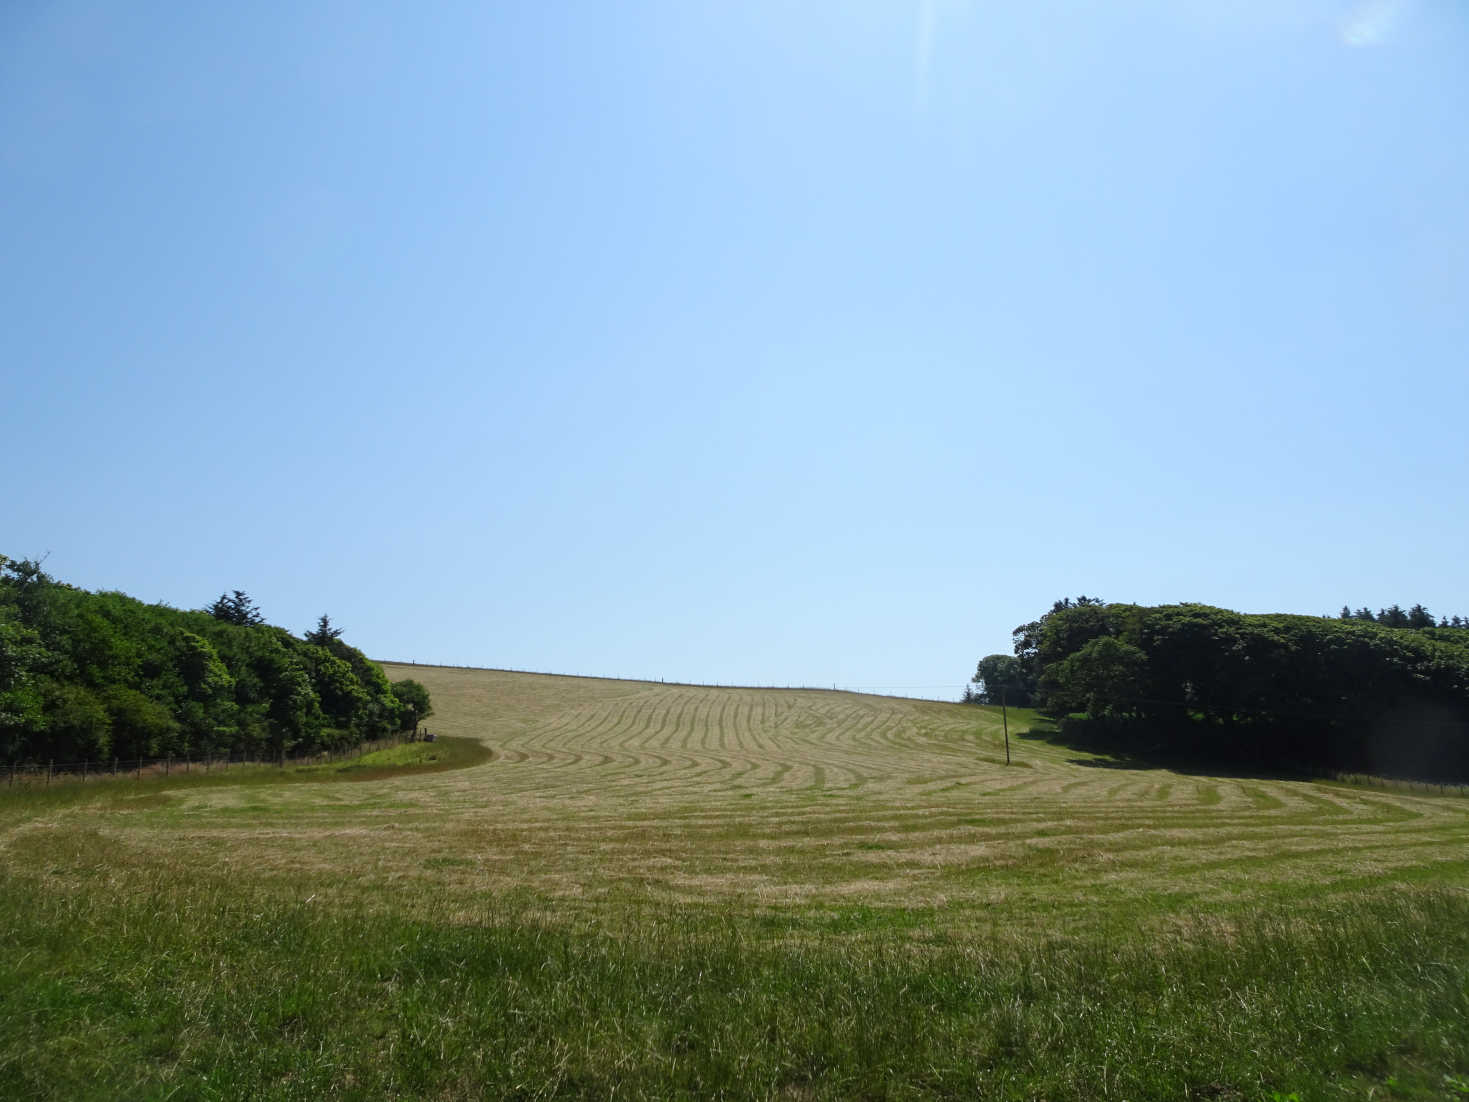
(1257, 690)
(1000, 679)
(92, 676)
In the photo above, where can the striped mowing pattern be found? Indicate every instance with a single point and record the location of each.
(606, 790)
(608, 801)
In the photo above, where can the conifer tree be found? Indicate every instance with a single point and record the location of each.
(1393, 617)
(323, 633)
(236, 609)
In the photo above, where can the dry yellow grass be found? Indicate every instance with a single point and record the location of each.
(606, 800)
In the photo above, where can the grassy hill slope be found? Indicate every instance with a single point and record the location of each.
(781, 799)
(658, 891)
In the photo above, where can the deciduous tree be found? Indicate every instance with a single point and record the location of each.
(413, 703)
(1001, 678)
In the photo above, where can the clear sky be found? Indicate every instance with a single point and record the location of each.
(760, 342)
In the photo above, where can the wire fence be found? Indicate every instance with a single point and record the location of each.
(36, 774)
(901, 691)
(1395, 784)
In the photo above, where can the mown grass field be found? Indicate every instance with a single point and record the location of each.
(643, 890)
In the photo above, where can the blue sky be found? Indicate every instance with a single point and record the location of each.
(772, 343)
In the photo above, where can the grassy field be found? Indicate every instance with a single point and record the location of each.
(627, 889)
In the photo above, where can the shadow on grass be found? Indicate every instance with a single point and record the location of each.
(1136, 747)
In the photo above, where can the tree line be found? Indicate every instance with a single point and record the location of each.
(1397, 617)
(1371, 693)
(90, 676)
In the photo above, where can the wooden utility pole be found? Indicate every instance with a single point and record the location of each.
(1005, 719)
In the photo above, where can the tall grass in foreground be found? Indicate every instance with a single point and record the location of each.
(184, 992)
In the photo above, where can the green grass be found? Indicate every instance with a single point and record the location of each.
(407, 758)
(613, 889)
(408, 753)
(124, 791)
(210, 994)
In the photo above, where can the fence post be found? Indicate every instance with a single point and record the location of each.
(167, 761)
(114, 766)
(140, 769)
(12, 772)
(84, 772)
(50, 765)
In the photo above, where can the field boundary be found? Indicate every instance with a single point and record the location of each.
(52, 774)
(834, 687)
